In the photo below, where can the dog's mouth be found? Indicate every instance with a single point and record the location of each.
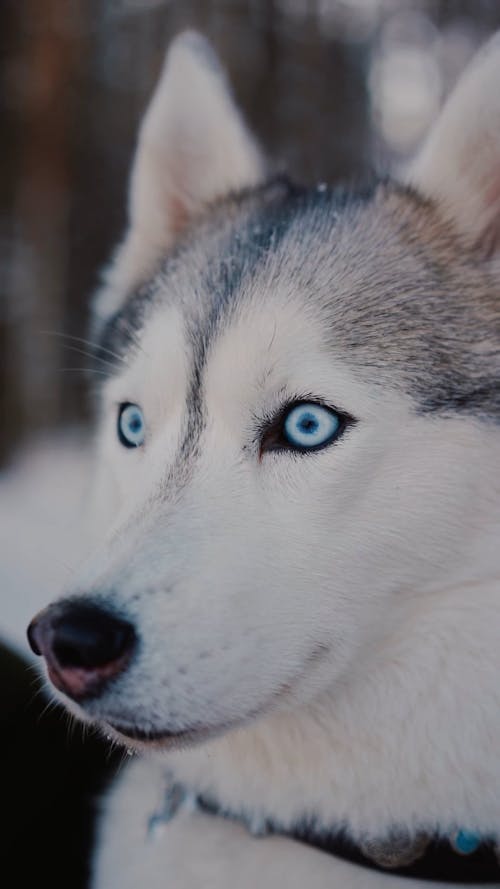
(139, 737)
(138, 734)
(133, 735)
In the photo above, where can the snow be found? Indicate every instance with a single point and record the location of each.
(41, 519)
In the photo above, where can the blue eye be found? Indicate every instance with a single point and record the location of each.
(309, 425)
(131, 425)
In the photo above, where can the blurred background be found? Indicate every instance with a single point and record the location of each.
(333, 88)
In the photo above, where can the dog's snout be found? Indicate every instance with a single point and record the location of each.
(84, 646)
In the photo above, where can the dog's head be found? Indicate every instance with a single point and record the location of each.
(296, 433)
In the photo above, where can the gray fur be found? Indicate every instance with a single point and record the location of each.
(400, 299)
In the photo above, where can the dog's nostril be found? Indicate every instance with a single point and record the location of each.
(32, 637)
(87, 637)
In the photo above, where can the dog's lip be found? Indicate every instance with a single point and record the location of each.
(138, 734)
(148, 737)
(195, 734)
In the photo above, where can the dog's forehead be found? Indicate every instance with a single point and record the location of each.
(243, 246)
(377, 270)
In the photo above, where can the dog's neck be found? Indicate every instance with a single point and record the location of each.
(408, 741)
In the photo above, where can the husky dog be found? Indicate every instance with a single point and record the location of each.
(295, 608)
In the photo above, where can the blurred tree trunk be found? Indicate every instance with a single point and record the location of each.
(38, 249)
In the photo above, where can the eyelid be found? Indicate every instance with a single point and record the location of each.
(284, 400)
(281, 400)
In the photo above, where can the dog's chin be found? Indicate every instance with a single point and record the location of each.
(140, 738)
(137, 738)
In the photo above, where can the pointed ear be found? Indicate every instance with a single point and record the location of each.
(193, 147)
(459, 164)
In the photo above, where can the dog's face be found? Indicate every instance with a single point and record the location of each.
(294, 433)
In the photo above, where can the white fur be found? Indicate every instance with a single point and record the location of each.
(403, 629)
(197, 850)
(340, 611)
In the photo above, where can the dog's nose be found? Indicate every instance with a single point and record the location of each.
(84, 646)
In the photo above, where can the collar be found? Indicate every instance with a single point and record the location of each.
(463, 857)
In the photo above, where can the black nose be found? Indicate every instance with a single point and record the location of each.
(84, 645)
